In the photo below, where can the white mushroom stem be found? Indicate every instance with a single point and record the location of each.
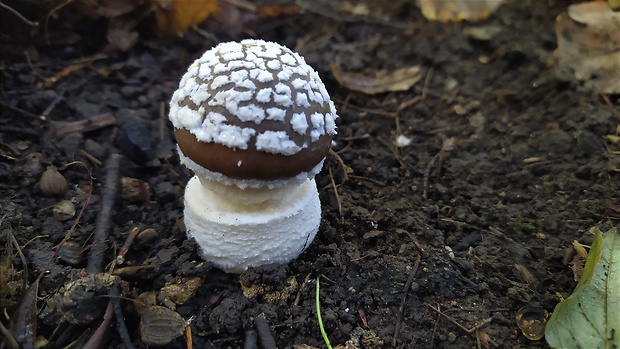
(236, 235)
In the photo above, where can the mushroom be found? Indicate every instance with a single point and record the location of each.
(254, 122)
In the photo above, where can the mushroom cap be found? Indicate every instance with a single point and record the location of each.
(252, 112)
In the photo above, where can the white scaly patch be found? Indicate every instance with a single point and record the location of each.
(237, 85)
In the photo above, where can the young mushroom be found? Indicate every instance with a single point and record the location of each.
(254, 122)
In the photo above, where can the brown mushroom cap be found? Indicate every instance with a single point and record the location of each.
(253, 110)
(250, 163)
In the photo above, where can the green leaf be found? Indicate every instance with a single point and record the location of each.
(590, 317)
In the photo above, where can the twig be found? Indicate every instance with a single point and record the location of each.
(108, 196)
(50, 14)
(301, 288)
(90, 157)
(24, 113)
(471, 331)
(188, 332)
(75, 223)
(446, 146)
(362, 315)
(395, 155)
(51, 107)
(429, 76)
(264, 332)
(401, 308)
(369, 111)
(331, 177)
(22, 257)
(427, 173)
(34, 25)
(362, 178)
(120, 257)
(24, 322)
(120, 319)
(345, 169)
(8, 337)
(99, 337)
(85, 125)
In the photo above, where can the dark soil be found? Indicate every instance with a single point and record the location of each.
(507, 166)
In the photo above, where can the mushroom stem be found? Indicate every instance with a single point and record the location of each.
(254, 234)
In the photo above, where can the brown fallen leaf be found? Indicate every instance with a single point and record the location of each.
(458, 10)
(379, 82)
(176, 17)
(589, 44)
(275, 11)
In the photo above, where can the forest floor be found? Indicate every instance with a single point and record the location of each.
(432, 244)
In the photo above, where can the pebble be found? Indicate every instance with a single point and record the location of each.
(136, 142)
(166, 192)
(95, 149)
(589, 143)
(70, 144)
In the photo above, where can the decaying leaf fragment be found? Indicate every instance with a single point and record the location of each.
(590, 317)
(176, 17)
(379, 82)
(589, 43)
(532, 320)
(458, 10)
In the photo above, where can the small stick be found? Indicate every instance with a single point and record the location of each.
(427, 173)
(429, 75)
(132, 270)
(301, 288)
(20, 16)
(51, 107)
(471, 331)
(188, 333)
(100, 336)
(395, 154)
(21, 256)
(90, 157)
(369, 111)
(75, 222)
(446, 146)
(331, 177)
(120, 257)
(264, 332)
(85, 125)
(108, 196)
(379, 183)
(363, 317)
(120, 319)
(8, 337)
(401, 308)
(345, 169)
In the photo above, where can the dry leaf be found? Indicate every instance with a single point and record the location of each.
(275, 11)
(458, 10)
(588, 42)
(176, 17)
(382, 81)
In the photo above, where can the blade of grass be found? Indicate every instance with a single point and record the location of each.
(318, 315)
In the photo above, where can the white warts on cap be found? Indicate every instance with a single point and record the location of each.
(236, 86)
